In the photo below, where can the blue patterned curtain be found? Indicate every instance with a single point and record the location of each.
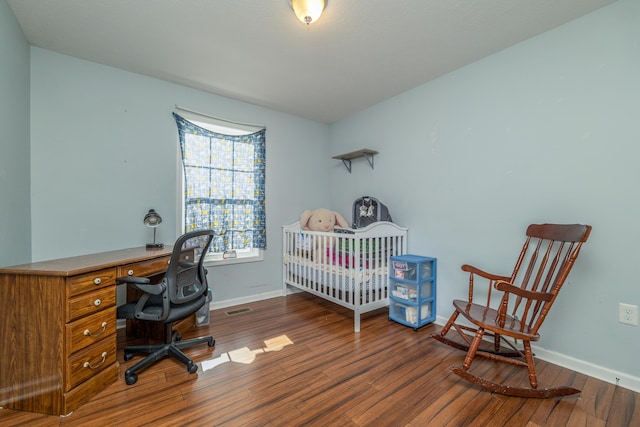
(224, 185)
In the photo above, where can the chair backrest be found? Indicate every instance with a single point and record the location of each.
(186, 277)
(547, 257)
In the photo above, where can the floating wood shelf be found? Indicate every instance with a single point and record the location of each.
(365, 152)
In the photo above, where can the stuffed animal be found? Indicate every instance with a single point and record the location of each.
(322, 220)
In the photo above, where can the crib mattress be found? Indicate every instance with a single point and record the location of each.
(337, 276)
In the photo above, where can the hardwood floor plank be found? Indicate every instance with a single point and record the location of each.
(556, 412)
(582, 419)
(9, 418)
(328, 405)
(595, 399)
(477, 414)
(625, 408)
(445, 399)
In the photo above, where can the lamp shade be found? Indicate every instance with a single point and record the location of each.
(308, 11)
(152, 218)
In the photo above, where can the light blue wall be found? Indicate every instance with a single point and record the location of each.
(105, 150)
(15, 226)
(545, 131)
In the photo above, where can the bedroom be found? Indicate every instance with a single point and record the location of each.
(545, 130)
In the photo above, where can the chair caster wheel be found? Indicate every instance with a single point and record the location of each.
(192, 368)
(128, 356)
(176, 336)
(211, 342)
(131, 379)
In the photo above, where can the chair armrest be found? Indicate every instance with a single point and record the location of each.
(156, 289)
(508, 287)
(144, 284)
(474, 270)
(149, 291)
(492, 278)
(134, 280)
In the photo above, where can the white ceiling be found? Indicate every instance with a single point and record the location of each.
(359, 52)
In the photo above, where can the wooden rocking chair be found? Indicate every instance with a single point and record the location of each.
(545, 261)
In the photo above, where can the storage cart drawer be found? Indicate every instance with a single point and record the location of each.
(412, 268)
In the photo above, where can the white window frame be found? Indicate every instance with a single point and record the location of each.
(214, 259)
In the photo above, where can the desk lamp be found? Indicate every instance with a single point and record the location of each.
(153, 219)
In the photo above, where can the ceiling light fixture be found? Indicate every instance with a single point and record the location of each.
(308, 11)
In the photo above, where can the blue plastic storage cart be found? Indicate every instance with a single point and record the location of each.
(412, 293)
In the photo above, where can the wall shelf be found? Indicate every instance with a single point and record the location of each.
(364, 152)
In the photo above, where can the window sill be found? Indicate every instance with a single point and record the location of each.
(239, 260)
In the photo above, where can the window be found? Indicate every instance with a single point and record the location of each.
(223, 177)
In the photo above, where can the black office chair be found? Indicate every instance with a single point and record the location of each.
(181, 293)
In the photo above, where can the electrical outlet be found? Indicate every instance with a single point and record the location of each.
(628, 314)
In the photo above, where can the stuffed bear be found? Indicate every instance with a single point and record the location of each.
(321, 220)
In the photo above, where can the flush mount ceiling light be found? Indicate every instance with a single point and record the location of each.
(308, 11)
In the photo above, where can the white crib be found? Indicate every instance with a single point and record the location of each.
(349, 269)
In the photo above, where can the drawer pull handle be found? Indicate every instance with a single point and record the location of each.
(88, 365)
(97, 280)
(130, 272)
(97, 302)
(89, 334)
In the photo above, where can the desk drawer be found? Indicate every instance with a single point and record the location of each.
(90, 303)
(86, 331)
(74, 398)
(88, 362)
(144, 268)
(90, 281)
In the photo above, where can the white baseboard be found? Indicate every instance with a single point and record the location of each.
(600, 372)
(244, 300)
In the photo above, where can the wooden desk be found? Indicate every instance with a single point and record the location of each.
(58, 327)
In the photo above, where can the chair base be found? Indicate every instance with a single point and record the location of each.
(157, 352)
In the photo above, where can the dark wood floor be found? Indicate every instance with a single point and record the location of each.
(387, 375)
